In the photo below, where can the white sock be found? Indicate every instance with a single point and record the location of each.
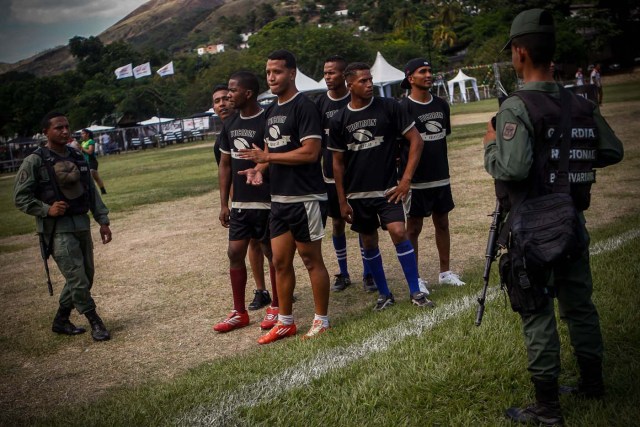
(286, 319)
(325, 320)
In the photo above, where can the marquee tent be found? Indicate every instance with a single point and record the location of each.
(304, 83)
(155, 120)
(97, 128)
(385, 74)
(462, 79)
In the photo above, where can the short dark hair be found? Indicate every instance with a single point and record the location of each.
(284, 55)
(88, 132)
(46, 120)
(247, 80)
(220, 87)
(354, 67)
(342, 63)
(541, 47)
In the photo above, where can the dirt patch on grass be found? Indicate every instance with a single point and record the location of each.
(163, 282)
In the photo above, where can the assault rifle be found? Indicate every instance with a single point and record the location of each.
(45, 251)
(491, 254)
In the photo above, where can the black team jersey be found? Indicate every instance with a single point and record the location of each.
(434, 124)
(328, 107)
(237, 133)
(368, 139)
(287, 126)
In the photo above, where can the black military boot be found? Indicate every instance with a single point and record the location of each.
(99, 332)
(591, 384)
(546, 411)
(62, 325)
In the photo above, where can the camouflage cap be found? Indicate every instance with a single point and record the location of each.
(532, 21)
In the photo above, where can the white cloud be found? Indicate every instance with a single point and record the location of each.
(48, 12)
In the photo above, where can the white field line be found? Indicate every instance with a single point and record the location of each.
(614, 243)
(224, 411)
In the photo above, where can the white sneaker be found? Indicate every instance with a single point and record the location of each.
(423, 286)
(450, 278)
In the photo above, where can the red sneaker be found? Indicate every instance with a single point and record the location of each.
(233, 321)
(278, 332)
(270, 319)
(316, 329)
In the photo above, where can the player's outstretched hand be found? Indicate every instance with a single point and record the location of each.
(255, 154)
(254, 177)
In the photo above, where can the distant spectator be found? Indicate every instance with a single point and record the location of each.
(89, 151)
(105, 141)
(579, 77)
(595, 80)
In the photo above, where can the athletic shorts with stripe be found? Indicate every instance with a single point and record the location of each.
(333, 206)
(421, 203)
(249, 224)
(371, 213)
(305, 220)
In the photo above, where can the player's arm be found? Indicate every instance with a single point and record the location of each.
(338, 176)
(224, 181)
(308, 152)
(415, 151)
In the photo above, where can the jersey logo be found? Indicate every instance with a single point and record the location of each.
(366, 140)
(363, 135)
(509, 131)
(433, 126)
(241, 144)
(276, 140)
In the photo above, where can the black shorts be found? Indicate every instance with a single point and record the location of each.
(369, 214)
(421, 203)
(333, 204)
(93, 163)
(305, 220)
(247, 224)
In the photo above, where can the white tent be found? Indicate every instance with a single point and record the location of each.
(385, 74)
(97, 128)
(155, 120)
(462, 79)
(304, 83)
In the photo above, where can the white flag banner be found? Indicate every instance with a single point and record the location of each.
(166, 70)
(124, 72)
(142, 70)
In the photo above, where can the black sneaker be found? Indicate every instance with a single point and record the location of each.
(420, 299)
(384, 302)
(341, 283)
(261, 298)
(368, 284)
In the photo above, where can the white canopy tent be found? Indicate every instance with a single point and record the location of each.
(304, 83)
(97, 128)
(462, 79)
(155, 120)
(385, 74)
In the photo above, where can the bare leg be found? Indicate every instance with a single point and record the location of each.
(256, 261)
(414, 228)
(284, 248)
(443, 239)
(311, 254)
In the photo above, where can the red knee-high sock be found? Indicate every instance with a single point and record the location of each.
(238, 287)
(274, 290)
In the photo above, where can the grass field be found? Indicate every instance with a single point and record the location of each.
(402, 367)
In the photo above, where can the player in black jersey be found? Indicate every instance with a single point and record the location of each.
(298, 194)
(223, 108)
(430, 186)
(363, 138)
(248, 218)
(337, 97)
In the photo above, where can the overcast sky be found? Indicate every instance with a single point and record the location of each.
(31, 26)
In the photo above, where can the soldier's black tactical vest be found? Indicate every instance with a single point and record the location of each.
(49, 192)
(545, 114)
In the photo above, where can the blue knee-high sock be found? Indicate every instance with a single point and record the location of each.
(365, 267)
(340, 245)
(373, 258)
(407, 258)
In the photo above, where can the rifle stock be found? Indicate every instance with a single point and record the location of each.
(490, 256)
